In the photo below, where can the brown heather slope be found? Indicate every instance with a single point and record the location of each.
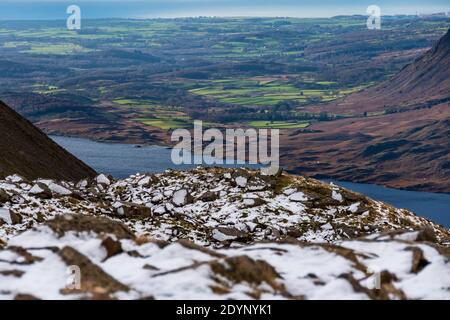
(405, 143)
(27, 151)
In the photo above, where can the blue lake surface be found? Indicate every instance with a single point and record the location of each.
(122, 160)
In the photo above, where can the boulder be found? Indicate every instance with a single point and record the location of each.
(241, 181)
(59, 190)
(112, 247)
(132, 210)
(181, 198)
(245, 269)
(41, 190)
(93, 280)
(104, 180)
(253, 202)
(222, 234)
(298, 197)
(5, 216)
(83, 184)
(4, 196)
(157, 198)
(147, 181)
(16, 218)
(209, 196)
(10, 217)
(159, 210)
(85, 223)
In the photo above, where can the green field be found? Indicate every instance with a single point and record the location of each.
(46, 89)
(58, 49)
(155, 115)
(150, 108)
(250, 92)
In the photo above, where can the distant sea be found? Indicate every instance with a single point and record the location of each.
(56, 9)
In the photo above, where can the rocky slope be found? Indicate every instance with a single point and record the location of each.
(28, 151)
(214, 233)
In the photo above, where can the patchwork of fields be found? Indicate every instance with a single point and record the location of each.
(269, 93)
(165, 73)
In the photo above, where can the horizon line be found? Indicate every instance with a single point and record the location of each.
(445, 14)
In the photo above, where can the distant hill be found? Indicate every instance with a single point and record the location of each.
(426, 79)
(398, 133)
(27, 151)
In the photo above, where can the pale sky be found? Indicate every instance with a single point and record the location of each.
(54, 9)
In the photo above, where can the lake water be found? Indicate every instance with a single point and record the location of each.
(122, 160)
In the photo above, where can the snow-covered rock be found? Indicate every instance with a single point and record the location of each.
(103, 179)
(5, 216)
(298, 197)
(241, 181)
(59, 189)
(293, 237)
(181, 198)
(194, 203)
(41, 190)
(337, 196)
(114, 263)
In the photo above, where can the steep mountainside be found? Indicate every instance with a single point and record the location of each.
(214, 233)
(396, 134)
(27, 151)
